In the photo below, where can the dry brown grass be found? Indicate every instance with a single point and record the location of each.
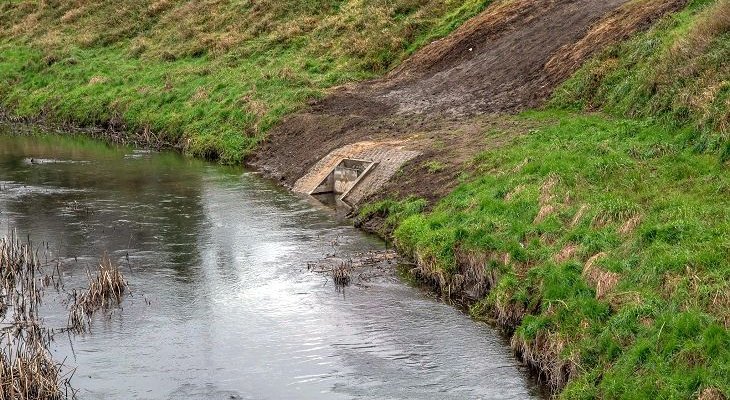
(605, 217)
(72, 15)
(713, 23)
(720, 306)
(476, 278)
(104, 291)
(27, 368)
(630, 225)
(358, 29)
(543, 213)
(602, 281)
(97, 79)
(579, 215)
(686, 58)
(633, 16)
(200, 94)
(158, 7)
(514, 192)
(711, 394)
(547, 190)
(566, 253)
(545, 354)
(546, 199)
(507, 312)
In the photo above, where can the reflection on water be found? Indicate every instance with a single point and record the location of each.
(222, 304)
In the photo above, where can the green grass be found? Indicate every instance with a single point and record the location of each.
(609, 231)
(212, 75)
(677, 74)
(394, 212)
(661, 332)
(434, 166)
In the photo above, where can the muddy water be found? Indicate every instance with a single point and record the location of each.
(222, 304)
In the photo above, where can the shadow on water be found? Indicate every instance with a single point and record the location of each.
(93, 197)
(222, 305)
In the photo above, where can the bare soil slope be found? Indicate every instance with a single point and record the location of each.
(506, 59)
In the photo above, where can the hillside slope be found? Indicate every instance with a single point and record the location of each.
(209, 77)
(509, 58)
(598, 237)
(678, 74)
(595, 231)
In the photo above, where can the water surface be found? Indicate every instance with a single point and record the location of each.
(222, 304)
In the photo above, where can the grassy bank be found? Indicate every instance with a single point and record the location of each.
(601, 241)
(210, 76)
(677, 74)
(609, 240)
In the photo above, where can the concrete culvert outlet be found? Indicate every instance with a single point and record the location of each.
(344, 176)
(354, 172)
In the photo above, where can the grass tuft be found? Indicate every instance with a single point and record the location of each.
(105, 290)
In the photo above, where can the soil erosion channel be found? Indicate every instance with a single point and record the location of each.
(222, 303)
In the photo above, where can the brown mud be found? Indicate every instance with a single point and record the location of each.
(445, 98)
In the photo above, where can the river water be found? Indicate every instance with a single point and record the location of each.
(222, 305)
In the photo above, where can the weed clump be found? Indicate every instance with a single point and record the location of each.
(341, 275)
(105, 290)
(27, 369)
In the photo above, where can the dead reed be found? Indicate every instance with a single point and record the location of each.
(18, 268)
(27, 369)
(105, 290)
(341, 275)
(358, 268)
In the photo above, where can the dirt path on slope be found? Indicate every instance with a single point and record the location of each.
(443, 99)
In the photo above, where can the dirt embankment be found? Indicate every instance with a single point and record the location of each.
(442, 100)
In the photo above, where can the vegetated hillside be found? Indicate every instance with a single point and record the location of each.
(602, 243)
(678, 74)
(210, 76)
(508, 58)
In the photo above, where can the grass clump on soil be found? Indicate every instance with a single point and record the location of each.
(392, 212)
(212, 76)
(602, 245)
